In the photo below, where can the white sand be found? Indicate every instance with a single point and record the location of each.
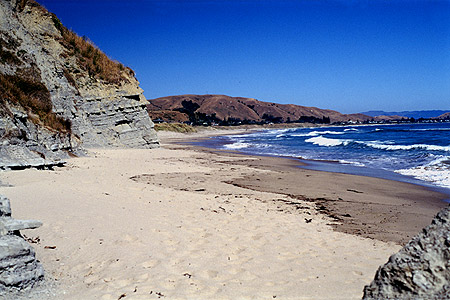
(180, 232)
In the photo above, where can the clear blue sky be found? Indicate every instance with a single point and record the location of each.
(346, 55)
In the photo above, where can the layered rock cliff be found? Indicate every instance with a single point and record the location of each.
(59, 93)
(19, 268)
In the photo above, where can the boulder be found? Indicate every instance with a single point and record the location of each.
(19, 268)
(421, 269)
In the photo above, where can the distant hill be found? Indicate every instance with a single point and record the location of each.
(224, 108)
(409, 114)
(444, 116)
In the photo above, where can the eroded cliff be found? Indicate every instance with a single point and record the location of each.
(59, 93)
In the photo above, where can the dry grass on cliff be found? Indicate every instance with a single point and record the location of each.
(175, 127)
(34, 97)
(8, 57)
(90, 58)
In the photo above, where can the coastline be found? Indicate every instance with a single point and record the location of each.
(391, 210)
(185, 222)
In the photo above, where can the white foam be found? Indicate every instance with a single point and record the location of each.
(354, 163)
(436, 172)
(382, 146)
(351, 129)
(431, 129)
(317, 133)
(328, 132)
(237, 145)
(274, 131)
(323, 141)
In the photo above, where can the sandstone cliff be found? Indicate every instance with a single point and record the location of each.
(59, 93)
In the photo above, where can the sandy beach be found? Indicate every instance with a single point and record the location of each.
(184, 222)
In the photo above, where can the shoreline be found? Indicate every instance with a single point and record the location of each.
(402, 214)
(187, 222)
(333, 166)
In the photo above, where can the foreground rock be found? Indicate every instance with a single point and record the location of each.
(59, 93)
(19, 268)
(421, 270)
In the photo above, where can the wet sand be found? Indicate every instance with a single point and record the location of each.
(381, 209)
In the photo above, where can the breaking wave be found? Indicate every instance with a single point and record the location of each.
(323, 141)
(237, 145)
(437, 172)
(417, 150)
(405, 147)
(316, 133)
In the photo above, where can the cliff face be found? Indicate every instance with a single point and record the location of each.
(59, 93)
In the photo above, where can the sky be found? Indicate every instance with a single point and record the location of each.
(346, 55)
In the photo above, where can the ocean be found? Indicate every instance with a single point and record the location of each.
(416, 151)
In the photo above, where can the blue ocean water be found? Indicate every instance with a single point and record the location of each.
(421, 151)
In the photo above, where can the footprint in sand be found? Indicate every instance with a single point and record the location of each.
(171, 242)
(176, 261)
(120, 284)
(126, 239)
(169, 283)
(212, 273)
(150, 263)
(257, 236)
(243, 274)
(143, 277)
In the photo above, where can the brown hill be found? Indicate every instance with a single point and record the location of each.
(168, 116)
(444, 116)
(225, 107)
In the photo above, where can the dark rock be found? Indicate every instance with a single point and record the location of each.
(19, 268)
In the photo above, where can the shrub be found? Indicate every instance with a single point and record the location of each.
(9, 58)
(34, 97)
(176, 127)
(8, 47)
(20, 5)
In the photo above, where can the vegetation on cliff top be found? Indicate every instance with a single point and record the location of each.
(26, 89)
(89, 57)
